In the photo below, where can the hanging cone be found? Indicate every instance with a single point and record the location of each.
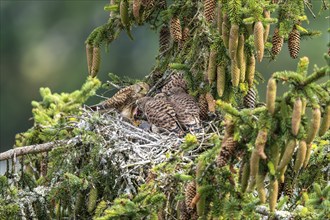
(277, 42)
(221, 78)
(183, 212)
(235, 73)
(296, 116)
(259, 40)
(136, 9)
(267, 26)
(294, 42)
(240, 57)
(250, 70)
(203, 107)
(250, 98)
(225, 30)
(210, 102)
(219, 18)
(212, 68)
(227, 151)
(164, 39)
(233, 41)
(209, 10)
(185, 36)
(190, 193)
(96, 61)
(175, 29)
(89, 56)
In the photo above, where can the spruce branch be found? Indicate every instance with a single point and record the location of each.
(316, 75)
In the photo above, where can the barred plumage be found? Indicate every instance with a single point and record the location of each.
(277, 42)
(164, 39)
(259, 44)
(160, 113)
(294, 42)
(96, 61)
(203, 107)
(175, 29)
(186, 108)
(124, 97)
(250, 98)
(209, 10)
(176, 80)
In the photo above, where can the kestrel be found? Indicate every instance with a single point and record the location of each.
(124, 100)
(186, 108)
(160, 114)
(176, 80)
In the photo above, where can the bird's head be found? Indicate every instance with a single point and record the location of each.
(176, 90)
(161, 96)
(140, 89)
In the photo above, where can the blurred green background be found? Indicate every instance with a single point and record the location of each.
(42, 45)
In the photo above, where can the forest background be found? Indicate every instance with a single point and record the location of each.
(42, 45)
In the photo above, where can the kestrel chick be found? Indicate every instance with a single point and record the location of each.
(176, 80)
(159, 113)
(186, 108)
(124, 99)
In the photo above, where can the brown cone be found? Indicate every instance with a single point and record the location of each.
(277, 41)
(227, 150)
(96, 61)
(250, 98)
(190, 193)
(203, 107)
(164, 38)
(294, 42)
(136, 9)
(209, 10)
(259, 40)
(183, 212)
(175, 29)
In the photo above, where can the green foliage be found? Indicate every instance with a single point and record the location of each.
(54, 112)
(88, 176)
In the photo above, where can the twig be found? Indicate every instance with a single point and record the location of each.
(316, 75)
(33, 149)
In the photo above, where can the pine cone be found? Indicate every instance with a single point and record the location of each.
(164, 39)
(96, 61)
(225, 30)
(175, 29)
(250, 70)
(267, 26)
(89, 57)
(250, 98)
(227, 150)
(210, 102)
(136, 9)
(221, 78)
(259, 40)
(184, 214)
(190, 193)
(294, 42)
(235, 73)
(277, 42)
(185, 34)
(209, 10)
(203, 107)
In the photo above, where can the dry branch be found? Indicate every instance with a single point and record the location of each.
(34, 149)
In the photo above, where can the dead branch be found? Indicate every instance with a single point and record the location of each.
(34, 149)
